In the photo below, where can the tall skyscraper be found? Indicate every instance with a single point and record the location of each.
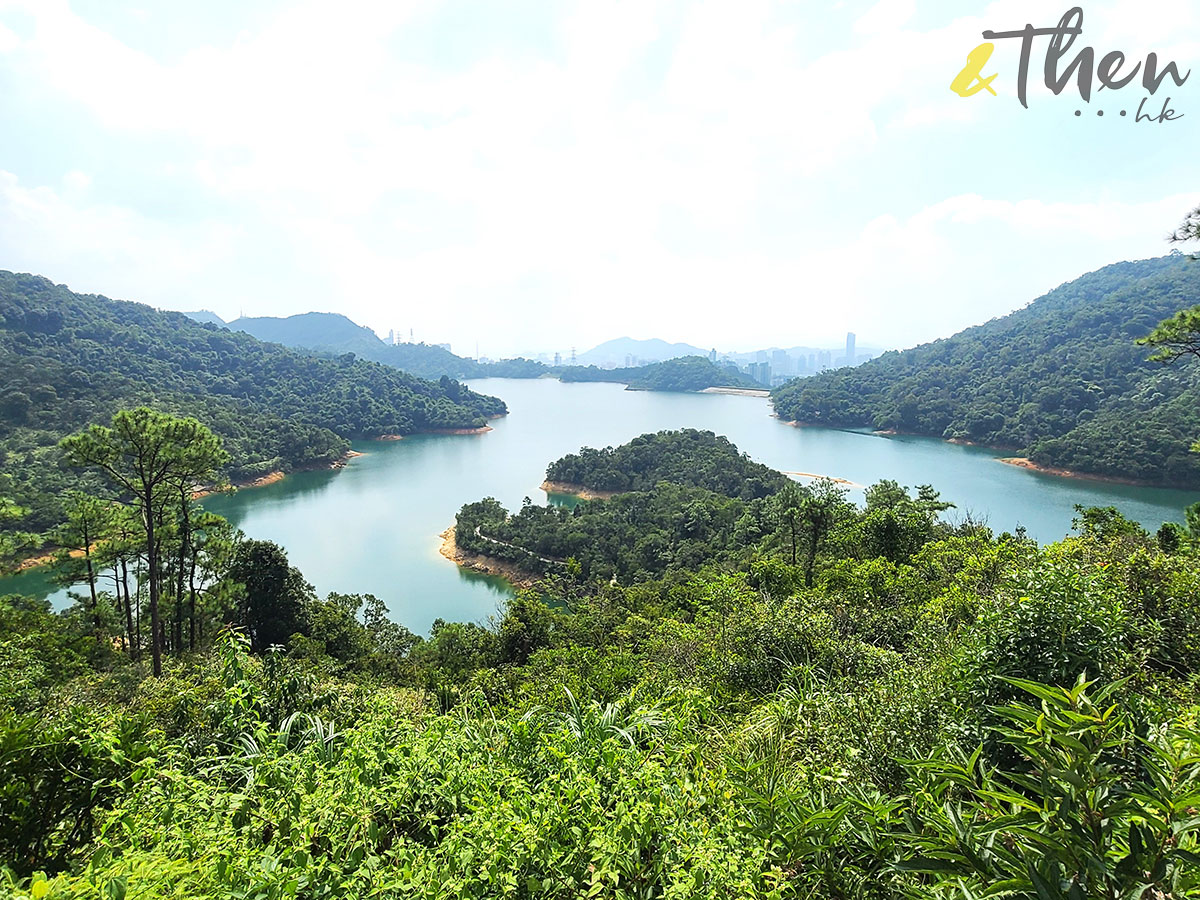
(850, 348)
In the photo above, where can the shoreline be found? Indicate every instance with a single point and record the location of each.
(1024, 462)
(484, 565)
(480, 429)
(1021, 462)
(576, 490)
(278, 475)
(847, 482)
(737, 392)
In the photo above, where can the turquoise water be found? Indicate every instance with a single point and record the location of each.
(373, 526)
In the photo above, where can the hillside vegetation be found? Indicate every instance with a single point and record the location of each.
(1060, 381)
(688, 457)
(786, 697)
(68, 360)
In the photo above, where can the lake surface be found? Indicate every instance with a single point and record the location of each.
(373, 526)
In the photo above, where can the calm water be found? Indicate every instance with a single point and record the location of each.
(373, 526)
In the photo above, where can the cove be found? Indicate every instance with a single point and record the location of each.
(373, 526)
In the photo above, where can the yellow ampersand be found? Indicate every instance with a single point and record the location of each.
(970, 80)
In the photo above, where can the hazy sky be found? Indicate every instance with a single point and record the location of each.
(535, 175)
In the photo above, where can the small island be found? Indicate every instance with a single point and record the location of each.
(683, 374)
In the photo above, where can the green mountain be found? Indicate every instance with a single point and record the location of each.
(69, 360)
(1061, 381)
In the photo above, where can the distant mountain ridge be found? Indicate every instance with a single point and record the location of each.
(1060, 381)
(335, 334)
(614, 352)
(332, 332)
(205, 316)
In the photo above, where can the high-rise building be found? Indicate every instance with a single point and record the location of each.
(850, 348)
(712, 355)
(781, 362)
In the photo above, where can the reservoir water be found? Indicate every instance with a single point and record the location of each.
(373, 526)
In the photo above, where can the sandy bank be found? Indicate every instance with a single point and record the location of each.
(482, 429)
(576, 490)
(43, 560)
(1025, 462)
(737, 392)
(277, 475)
(486, 565)
(844, 481)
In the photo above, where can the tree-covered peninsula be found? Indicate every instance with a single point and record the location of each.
(688, 457)
(69, 360)
(686, 373)
(1061, 381)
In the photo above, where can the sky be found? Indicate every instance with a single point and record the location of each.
(526, 176)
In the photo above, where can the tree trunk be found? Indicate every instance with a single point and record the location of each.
(813, 540)
(152, 576)
(91, 577)
(185, 538)
(192, 605)
(134, 649)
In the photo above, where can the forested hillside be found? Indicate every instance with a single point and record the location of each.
(67, 360)
(1061, 381)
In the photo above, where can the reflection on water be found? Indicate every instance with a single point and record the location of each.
(373, 526)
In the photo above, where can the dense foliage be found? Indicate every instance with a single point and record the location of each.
(690, 498)
(686, 373)
(69, 360)
(688, 457)
(936, 713)
(1062, 380)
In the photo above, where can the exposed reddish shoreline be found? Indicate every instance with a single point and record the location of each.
(1024, 462)
(486, 565)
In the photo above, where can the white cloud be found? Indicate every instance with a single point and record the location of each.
(573, 186)
(885, 16)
